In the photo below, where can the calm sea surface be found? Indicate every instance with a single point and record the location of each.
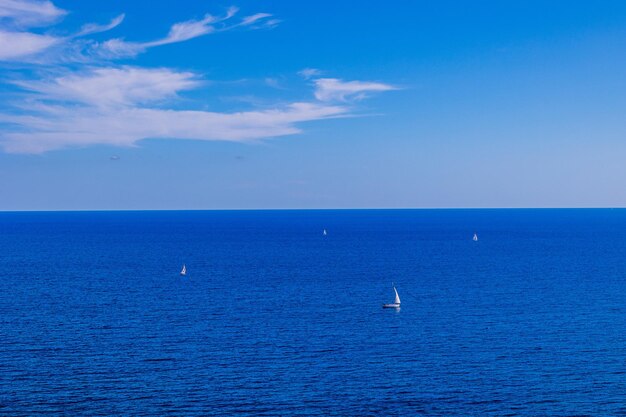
(275, 319)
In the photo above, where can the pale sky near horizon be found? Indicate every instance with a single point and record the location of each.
(311, 104)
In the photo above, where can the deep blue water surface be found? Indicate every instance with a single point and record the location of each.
(275, 319)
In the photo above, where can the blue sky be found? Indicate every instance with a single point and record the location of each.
(321, 104)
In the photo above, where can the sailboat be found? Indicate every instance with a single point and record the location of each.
(324, 233)
(475, 238)
(183, 271)
(396, 302)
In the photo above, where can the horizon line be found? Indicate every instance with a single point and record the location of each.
(312, 209)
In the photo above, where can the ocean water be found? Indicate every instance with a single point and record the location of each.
(275, 319)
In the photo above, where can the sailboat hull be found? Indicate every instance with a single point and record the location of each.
(392, 305)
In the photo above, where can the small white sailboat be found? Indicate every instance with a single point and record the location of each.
(324, 233)
(475, 238)
(396, 302)
(183, 271)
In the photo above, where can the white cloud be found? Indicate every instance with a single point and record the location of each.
(27, 13)
(106, 87)
(190, 29)
(179, 32)
(87, 103)
(309, 73)
(63, 127)
(248, 20)
(121, 106)
(92, 28)
(273, 82)
(18, 45)
(118, 48)
(334, 89)
(271, 23)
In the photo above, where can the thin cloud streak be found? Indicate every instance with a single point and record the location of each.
(91, 28)
(334, 89)
(308, 73)
(179, 32)
(248, 20)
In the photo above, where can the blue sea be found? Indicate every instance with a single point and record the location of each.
(275, 319)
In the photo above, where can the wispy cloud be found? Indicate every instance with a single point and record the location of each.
(254, 18)
(106, 87)
(59, 126)
(29, 13)
(273, 82)
(334, 89)
(17, 45)
(179, 32)
(18, 15)
(121, 106)
(190, 29)
(92, 28)
(308, 73)
(259, 21)
(94, 101)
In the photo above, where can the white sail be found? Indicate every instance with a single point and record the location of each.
(324, 232)
(475, 238)
(397, 300)
(184, 270)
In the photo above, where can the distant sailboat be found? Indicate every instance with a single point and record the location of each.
(324, 233)
(183, 271)
(396, 302)
(475, 238)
